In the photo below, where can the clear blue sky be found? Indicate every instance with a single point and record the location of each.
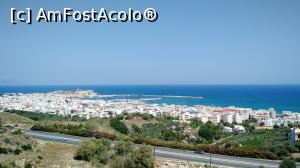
(193, 42)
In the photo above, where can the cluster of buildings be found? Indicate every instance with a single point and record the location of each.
(86, 103)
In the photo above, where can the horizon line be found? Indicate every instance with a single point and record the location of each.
(241, 84)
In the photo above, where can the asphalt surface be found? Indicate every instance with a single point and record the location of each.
(223, 160)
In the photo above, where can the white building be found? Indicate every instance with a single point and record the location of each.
(227, 118)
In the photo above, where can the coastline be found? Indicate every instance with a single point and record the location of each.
(279, 97)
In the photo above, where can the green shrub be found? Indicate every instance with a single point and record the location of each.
(147, 116)
(7, 141)
(9, 150)
(28, 165)
(123, 147)
(135, 129)
(17, 151)
(97, 149)
(297, 159)
(142, 157)
(118, 125)
(3, 150)
(70, 129)
(264, 154)
(27, 147)
(120, 117)
(287, 163)
(37, 116)
(195, 123)
(101, 134)
(17, 132)
(128, 117)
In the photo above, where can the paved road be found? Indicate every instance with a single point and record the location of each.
(229, 161)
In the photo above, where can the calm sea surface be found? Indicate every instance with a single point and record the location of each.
(280, 97)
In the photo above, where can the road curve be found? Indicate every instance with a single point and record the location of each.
(223, 160)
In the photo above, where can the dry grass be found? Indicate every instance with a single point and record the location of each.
(11, 118)
(138, 121)
(100, 124)
(60, 155)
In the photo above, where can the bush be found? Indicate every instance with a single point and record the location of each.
(118, 162)
(120, 117)
(4, 165)
(101, 134)
(135, 129)
(3, 150)
(195, 123)
(263, 154)
(27, 147)
(228, 145)
(123, 148)
(97, 149)
(128, 117)
(210, 131)
(139, 158)
(297, 159)
(287, 163)
(28, 165)
(118, 125)
(17, 151)
(37, 116)
(7, 141)
(142, 157)
(9, 150)
(147, 116)
(17, 132)
(70, 129)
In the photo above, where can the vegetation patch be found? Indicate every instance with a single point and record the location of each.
(100, 153)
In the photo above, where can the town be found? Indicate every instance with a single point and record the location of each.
(88, 104)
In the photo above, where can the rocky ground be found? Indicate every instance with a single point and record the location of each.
(174, 163)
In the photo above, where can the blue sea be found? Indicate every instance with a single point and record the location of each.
(279, 97)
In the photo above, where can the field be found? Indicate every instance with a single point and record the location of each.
(60, 155)
(275, 140)
(11, 118)
(138, 122)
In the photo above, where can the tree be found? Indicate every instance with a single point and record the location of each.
(206, 132)
(210, 131)
(147, 116)
(195, 123)
(287, 163)
(168, 135)
(135, 129)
